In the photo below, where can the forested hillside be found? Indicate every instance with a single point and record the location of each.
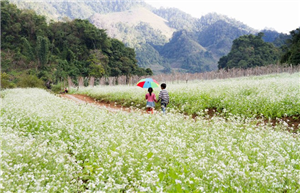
(34, 53)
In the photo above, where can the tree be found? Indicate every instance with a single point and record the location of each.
(292, 49)
(42, 51)
(249, 51)
(127, 68)
(97, 65)
(28, 50)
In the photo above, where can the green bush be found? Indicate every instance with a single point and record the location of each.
(57, 88)
(30, 81)
(5, 81)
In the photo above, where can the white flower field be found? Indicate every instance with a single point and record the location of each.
(270, 96)
(52, 144)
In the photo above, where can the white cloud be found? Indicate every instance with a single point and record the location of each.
(283, 16)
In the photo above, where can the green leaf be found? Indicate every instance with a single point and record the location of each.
(149, 155)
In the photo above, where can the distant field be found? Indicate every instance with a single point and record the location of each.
(51, 144)
(270, 96)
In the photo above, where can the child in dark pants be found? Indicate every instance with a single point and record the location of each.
(163, 97)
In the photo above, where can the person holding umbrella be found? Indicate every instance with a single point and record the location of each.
(151, 98)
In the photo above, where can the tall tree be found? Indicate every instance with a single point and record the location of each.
(42, 51)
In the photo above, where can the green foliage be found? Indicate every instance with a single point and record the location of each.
(60, 49)
(292, 50)
(281, 40)
(98, 62)
(5, 81)
(57, 88)
(249, 51)
(147, 55)
(28, 50)
(30, 81)
(6, 61)
(42, 51)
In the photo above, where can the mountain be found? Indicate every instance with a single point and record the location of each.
(75, 9)
(165, 40)
(198, 43)
(198, 51)
(183, 51)
(218, 37)
(272, 36)
(131, 18)
(138, 28)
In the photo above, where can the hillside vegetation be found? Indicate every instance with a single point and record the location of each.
(37, 53)
(250, 51)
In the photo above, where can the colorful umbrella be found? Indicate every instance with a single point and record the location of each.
(148, 82)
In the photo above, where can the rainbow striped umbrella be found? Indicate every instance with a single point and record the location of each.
(148, 82)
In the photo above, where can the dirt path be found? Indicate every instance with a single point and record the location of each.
(82, 99)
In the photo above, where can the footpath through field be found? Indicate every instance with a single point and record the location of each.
(83, 99)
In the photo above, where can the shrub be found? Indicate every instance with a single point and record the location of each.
(30, 81)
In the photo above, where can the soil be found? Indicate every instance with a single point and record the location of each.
(81, 99)
(293, 122)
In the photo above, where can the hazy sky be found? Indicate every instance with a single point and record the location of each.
(281, 15)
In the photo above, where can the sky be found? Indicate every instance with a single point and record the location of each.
(280, 15)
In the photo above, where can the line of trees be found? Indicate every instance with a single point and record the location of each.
(33, 50)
